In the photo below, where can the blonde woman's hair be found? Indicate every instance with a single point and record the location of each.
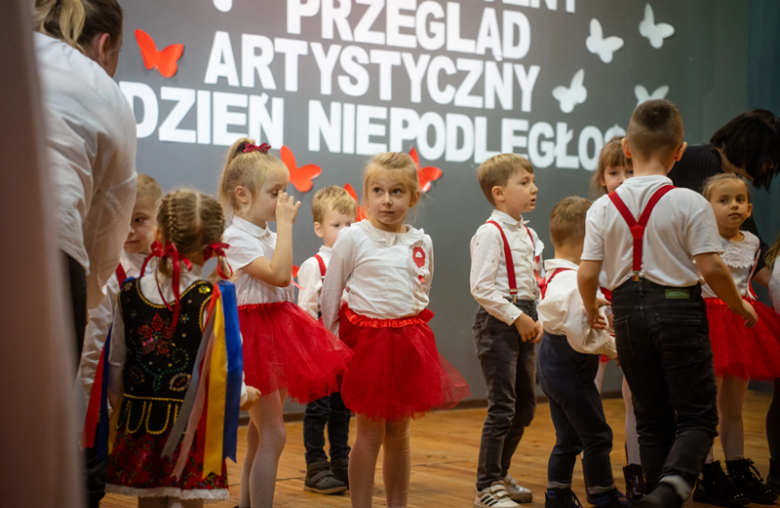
(611, 156)
(77, 22)
(497, 170)
(567, 220)
(147, 187)
(716, 181)
(191, 221)
(332, 198)
(773, 253)
(248, 170)
(399, 164)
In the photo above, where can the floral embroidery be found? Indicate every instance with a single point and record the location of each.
(184, 318)
(156, 336)
(179, 382)
(204, 290)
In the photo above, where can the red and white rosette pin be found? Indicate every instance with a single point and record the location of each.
(420, 262)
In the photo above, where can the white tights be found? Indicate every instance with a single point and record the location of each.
(168, 502)
(731, 396)
(265, 438)
(396, 465)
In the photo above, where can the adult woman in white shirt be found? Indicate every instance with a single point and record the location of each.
(90, 139)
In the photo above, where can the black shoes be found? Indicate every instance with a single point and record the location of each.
(561, 498)
(612, 499)
(746, 479)
(715, 488)
(664, 496)
(773, 478)
(635, 482)
(340, 468)
(320, 479)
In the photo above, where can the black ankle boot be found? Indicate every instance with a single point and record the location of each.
(773, 478)
(320, 479)
(561, 498)
(340, 468)
(715, 488)
(745, 477)
(635, 482)
(663, 496)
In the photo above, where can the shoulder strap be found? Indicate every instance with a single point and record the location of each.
(510, 263)
(321, 262)
(638, 227)
(545, 283)
(121, 275)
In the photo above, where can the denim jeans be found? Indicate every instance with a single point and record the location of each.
(328, 411)
(664, 348)
(566, 377)
(509, 368)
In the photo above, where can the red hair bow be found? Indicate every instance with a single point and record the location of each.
(157, 252)
(218, 249)
(249, 148)
(172, 253)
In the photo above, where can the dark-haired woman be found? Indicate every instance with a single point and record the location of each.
(749, 145)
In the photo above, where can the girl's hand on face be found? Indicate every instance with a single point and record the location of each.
(286, 208)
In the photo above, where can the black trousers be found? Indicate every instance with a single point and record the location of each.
(663, 345)
(77, 279)
(328, 411)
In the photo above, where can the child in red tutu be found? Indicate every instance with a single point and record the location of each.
(739, 353)
(397, 372)
(285, 350)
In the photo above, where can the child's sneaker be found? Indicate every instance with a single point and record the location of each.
(745, 478)
(561, 498)
(320, 479)
(612, 499)
(517, 492)
(494, 496)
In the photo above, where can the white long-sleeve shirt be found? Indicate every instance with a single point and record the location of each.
(562, 312)
(310, 279)
(740, 257)
(102, 317)
(774, 286)
(489, 279)
(91, 143)
(386, 275)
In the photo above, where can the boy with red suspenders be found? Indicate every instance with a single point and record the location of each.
(655, 242)
(505, 264)
(568, 359)
(332, 209)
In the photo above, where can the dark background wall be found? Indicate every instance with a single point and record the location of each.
(704, 64)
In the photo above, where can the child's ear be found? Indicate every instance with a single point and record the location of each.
(750, 210)
(415, 198)
(318, 230)
(242, 195)
(678, 153)
(157, 235)
(498, 194)
(625, 147)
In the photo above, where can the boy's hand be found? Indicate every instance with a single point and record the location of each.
(596, 320)
(286, 208)
(539, 333)
(748, 312)
(252, 394)
(526, 327)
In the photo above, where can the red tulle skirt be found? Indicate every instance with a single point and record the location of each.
(284, 347)
(747, 353)
(396, 372)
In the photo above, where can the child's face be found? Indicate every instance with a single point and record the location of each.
(518, 195)
(614, 176)
(729, 201)
(261, 205)
(332, 222)
(142, 224)
(388, 202)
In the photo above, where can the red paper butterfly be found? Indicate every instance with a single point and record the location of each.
(425, 175)
(360, 214)
(300, 177)
(165, 60)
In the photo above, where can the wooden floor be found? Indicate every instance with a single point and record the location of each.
(444, 453)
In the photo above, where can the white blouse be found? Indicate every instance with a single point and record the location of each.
(247, 243)
(740, 257)
(310, 279)
(91, 142)
(386, 275)
(774, 286)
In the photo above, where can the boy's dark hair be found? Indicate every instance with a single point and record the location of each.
(567, 220)
(656, 128)
(752, 141)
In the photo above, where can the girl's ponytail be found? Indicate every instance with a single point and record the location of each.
(61, 19)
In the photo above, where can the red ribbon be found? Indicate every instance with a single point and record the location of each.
(157, 252)
(249, 148)
(218, 249)
(172, 253)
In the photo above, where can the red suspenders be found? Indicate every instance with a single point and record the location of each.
(638, 227)
(545, 283)
(322, 265)
(510, 264)
(121, 276)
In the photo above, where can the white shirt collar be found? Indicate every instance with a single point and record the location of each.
(554, 264)
(642, 181)
(326, 249)
(248, 227)
(387, 239)
(507, 219)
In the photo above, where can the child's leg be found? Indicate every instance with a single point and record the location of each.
(732, 433)
(397, 463)
(362, 463)
(267, 418)
(564, 454)
(174, 502)
(525, 403)
(600, 375)
(152, 502)
(252, 439)
(338, 428)
(773, 424)
(632, 438)
(314, 419)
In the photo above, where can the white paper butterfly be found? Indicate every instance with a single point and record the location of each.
(598, 45)
(613, 131)
(655, 33)
(575, 94)
(223, 5)
(642, 95)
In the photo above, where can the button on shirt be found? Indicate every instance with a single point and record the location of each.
(247, 243)
(562, 312)
(310, 280)
(91, 142)
(386, 275)
(489, 280)
(682, 225)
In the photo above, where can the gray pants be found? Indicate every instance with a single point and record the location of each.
(509, 368)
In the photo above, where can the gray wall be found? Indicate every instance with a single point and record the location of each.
(704, 64)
